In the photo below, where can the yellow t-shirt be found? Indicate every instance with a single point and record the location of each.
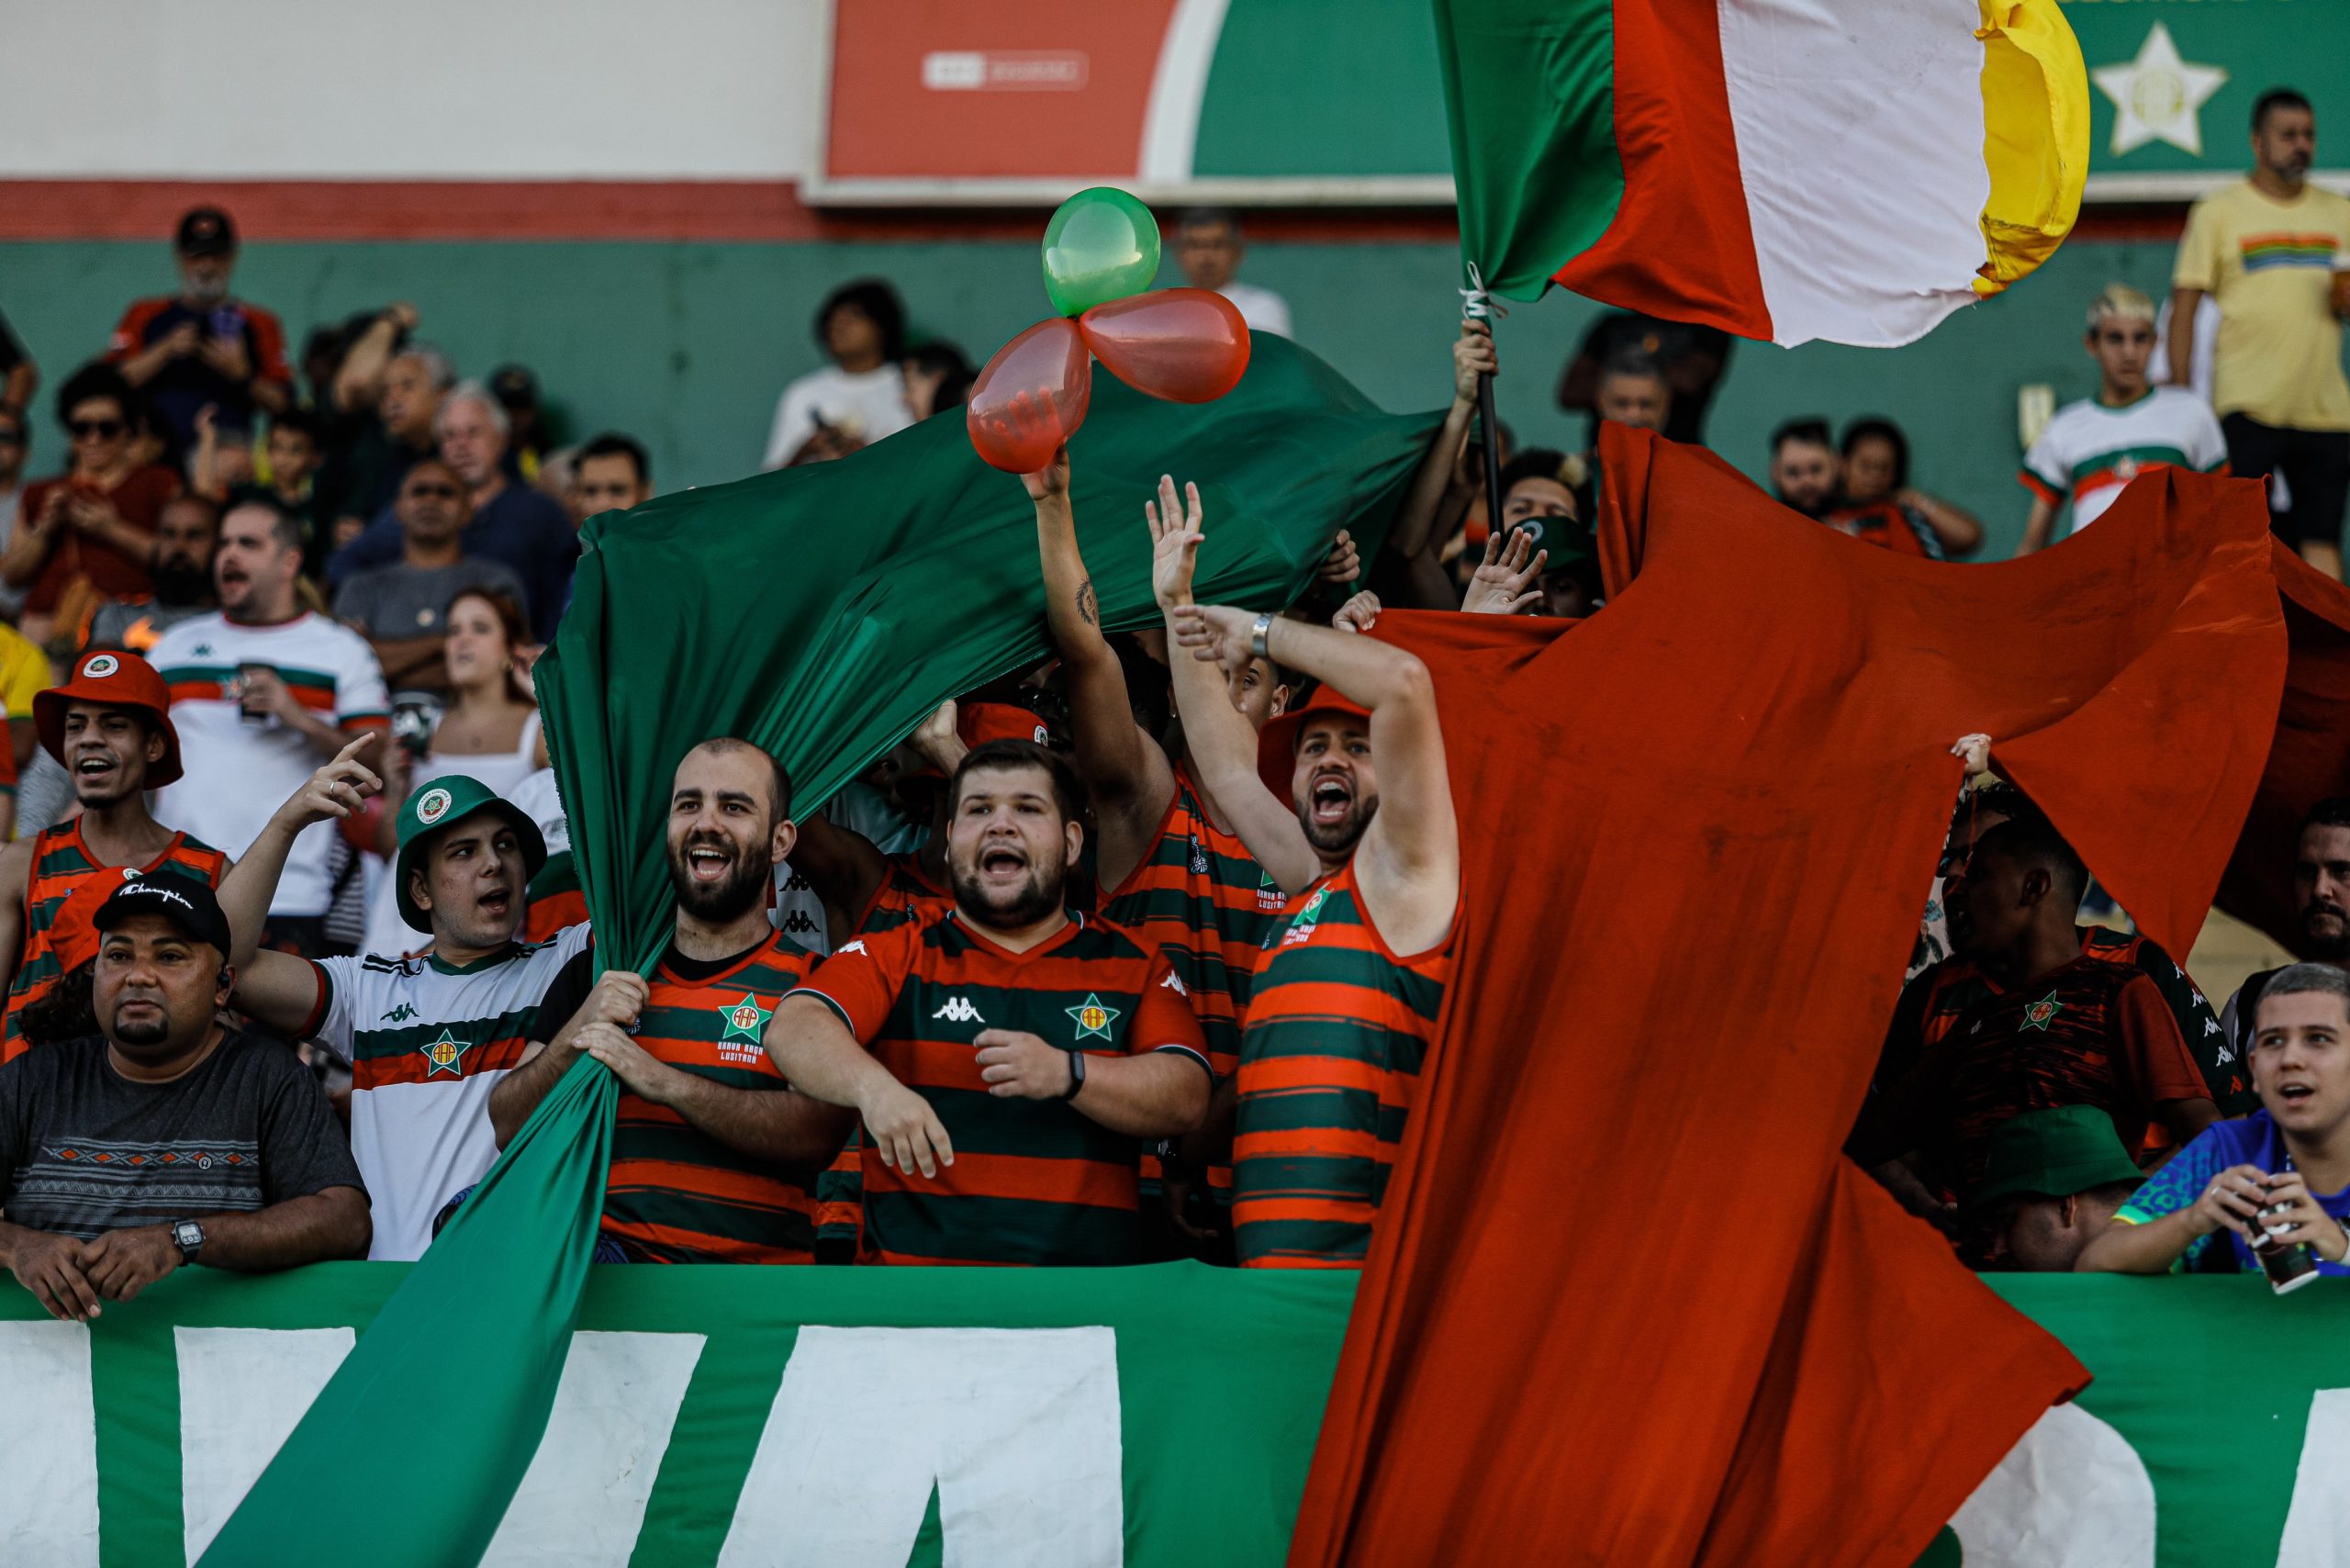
(2270, 264)
(24, 670)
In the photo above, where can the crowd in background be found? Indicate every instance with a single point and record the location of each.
(1135, 954)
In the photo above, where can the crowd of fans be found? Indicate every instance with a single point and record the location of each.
(1133, 955)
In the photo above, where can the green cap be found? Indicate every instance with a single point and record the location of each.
(2054, 1153)
(445, 802)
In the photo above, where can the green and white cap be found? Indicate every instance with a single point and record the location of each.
(442, 804)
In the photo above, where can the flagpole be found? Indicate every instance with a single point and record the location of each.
(1476, 307)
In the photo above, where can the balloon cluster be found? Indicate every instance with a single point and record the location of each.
(1187, 345)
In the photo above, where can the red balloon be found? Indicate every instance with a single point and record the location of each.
(1031, 397)
(1187, 345)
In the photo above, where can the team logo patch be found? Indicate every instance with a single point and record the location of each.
(1092, 1019)
(444, 1053)
(400, 1014)
(432, 805)
(102, 667)
(746, 1019)
(2041, 1014)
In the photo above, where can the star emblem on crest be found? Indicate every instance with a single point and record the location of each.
(746, 1019)
(2041, 1014)
(444, 1053)
(2158, 96)
(1093, 1019)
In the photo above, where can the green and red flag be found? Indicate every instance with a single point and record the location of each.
(1852, 170)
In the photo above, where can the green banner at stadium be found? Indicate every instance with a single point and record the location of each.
(1145, 1417)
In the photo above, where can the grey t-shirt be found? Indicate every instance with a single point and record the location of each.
(391, 602)
(85, 1150)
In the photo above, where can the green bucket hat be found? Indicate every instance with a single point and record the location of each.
(2054, 1153)
(445, 802)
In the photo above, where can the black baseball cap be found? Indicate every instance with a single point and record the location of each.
(206, 232)
(514, 386)
(185, 902)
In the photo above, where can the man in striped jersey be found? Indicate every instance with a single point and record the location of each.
(1018, 1049)
(1171, 863)
(2092, 449)
(714, 1158)
(1346, 995)
(429, 1037)
(110, 728)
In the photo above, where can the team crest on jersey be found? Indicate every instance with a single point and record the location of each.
(102, 667)
(1269, 896)
(1092, 1019)
(433, 806)
(2041, 1014)
(444, 1053)
(1301, 929)
(746, 1018)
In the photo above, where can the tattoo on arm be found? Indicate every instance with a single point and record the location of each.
(1085, 603)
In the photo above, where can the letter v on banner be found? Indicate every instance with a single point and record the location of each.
(1016, 1428)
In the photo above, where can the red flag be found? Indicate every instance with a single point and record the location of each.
(1629, 1304)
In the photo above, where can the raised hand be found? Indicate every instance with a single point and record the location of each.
(1504, 585)
(1217, 633)
(336, 790)
(1174, 542)
(1358, 614)
(1029, 412)
(1343, 563)
(1473, 356)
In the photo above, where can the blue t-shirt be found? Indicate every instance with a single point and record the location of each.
(2248, 1140)
(520, 527)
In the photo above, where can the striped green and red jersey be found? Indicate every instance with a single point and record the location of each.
(1329, 1071)
(906, 894)
(676, 1194)
(1034, 1182)
(62, 893)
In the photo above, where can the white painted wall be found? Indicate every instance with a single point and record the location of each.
(410, 89)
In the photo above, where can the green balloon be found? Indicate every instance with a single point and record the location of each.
(1102, 245)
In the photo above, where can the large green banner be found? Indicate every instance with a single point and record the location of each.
(873, 1418)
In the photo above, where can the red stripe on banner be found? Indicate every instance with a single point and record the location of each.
(1680, 246)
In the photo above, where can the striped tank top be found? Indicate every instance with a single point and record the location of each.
(1329, 1071)
(61, 894)
(675, 1193)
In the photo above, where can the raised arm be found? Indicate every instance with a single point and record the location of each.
(1222, 744)
(766, 1124)
(359, 380)
(333, 792)
(1127, 773)
(1416, 520)
(1409, 861)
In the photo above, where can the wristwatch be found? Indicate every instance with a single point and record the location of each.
(1076, 1074)
(189, 1236)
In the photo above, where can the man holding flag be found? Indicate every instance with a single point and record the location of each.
(1348, 994)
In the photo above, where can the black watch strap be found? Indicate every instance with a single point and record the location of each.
(1076, 1074)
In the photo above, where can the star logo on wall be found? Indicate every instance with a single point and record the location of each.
(2158, 96)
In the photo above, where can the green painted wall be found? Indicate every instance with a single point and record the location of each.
(687, 346)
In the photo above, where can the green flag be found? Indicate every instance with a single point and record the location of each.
(821, 612)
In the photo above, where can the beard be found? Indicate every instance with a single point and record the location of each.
(1338, 837)
(2323, 946)
(141, 1033)
(742, 888)
(1032, 901)
(180, 581)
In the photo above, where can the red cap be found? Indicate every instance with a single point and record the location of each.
(979, 722)
(1276, 743)
(117, 680)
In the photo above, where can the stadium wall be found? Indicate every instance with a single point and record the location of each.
(689, 344)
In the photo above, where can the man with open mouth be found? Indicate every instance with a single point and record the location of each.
(2285, 1168)
(714, 1157)
(1007, 1055)
(1347, 994)
(110, 728)
(429, 1037)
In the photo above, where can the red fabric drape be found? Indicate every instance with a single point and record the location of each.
(2311, 758)
(1628, 1304)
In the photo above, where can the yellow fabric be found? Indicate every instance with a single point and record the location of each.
(2035, 136)
(2279, 354)
(24, 670)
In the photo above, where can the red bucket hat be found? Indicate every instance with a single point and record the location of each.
(1276, 743)
(117, 680)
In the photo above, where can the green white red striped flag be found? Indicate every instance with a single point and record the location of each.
(1852, 170)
